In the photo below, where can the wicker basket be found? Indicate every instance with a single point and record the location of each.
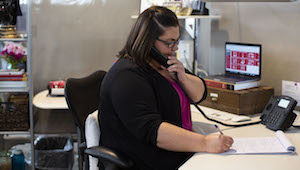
(14, 116)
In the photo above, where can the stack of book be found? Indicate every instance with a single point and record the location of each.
(231, 86)
(13, 79)
(8, 31)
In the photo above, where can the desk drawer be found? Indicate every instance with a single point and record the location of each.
(246, 102)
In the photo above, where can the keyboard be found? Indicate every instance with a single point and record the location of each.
(238, 77)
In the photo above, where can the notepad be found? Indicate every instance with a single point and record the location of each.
(262, 145)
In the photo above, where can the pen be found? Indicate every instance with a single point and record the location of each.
(219, 129)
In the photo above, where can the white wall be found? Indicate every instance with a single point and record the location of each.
(75, 38)
(274, 25)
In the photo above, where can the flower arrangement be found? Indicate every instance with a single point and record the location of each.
(14, 54)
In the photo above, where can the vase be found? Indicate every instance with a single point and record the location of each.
(12, 64)
(16, 65)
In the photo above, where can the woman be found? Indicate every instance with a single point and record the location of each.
(144, 112)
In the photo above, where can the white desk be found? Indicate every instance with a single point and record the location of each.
(44, 101)
(207, 161)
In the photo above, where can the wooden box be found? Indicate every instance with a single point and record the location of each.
(244, 102)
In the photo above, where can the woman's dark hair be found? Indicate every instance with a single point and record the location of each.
(149, 26)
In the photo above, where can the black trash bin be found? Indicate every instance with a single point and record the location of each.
(53, 153)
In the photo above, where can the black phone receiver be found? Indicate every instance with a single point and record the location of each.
(157, 56)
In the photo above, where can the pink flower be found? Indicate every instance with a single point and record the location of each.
(19, 51)
(10, 48)
(18, 56)
(4, 51)
(14, 53)
(11, 53)
(13, 49)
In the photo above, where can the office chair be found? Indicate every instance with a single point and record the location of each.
(83, 98)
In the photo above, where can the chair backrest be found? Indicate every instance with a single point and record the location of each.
(83, 97)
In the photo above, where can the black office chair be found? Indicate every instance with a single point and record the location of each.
(83, 97)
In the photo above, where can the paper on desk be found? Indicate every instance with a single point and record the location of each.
(262, 145)
(292, 89)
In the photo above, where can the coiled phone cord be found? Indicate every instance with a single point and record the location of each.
(205, 116)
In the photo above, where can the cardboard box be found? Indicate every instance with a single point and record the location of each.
(242, 102)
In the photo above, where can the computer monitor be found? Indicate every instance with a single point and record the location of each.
(243, 58)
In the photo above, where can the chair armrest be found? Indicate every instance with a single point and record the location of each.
(82, 146)
(109, 155)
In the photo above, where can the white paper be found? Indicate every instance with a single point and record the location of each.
(57, 91)
(286, 143)
(292, 89)
(262, 145)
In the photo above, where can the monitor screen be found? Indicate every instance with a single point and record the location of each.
(243, 58)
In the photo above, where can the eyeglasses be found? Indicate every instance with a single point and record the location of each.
(170, 44)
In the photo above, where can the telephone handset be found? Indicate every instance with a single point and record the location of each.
(157, 56)
(278, 113)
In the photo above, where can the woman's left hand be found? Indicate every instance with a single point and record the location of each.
(176, 67)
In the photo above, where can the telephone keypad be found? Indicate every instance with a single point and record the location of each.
(273, 118)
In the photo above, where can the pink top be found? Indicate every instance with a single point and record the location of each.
(185, 107)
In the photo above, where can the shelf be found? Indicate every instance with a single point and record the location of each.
(73, 135)
(15, 132)
(10, 89)
(14, 86)
(191, 17)
(200, 17)
(13, 39)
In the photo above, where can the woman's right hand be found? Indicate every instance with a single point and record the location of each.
(217, 143)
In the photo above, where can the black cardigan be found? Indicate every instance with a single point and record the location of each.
(134, 102)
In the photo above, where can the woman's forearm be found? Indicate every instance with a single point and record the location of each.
(171, 137)
(174, 138)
